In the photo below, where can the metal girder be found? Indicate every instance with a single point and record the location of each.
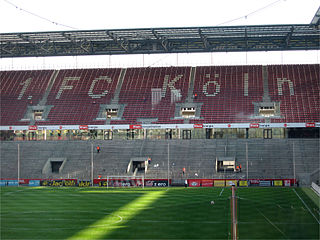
(316, 19)
(205, 41)
(160, 40)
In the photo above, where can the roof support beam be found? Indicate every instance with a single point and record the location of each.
(161, 40)
(204, 39)
(120, 41)
(288, 38)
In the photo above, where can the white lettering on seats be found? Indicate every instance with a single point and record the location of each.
(280, 82)
(170, 84)
(25, 84)
(64, 85)
(205, 87)
(104, 93)
(246, 84)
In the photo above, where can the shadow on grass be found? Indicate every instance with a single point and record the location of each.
(180, 214)
(59, 213)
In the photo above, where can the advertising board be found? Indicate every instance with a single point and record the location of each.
(265, 183)
(219, 183)
(84, 183)
(194, 182)
(207, 182)
(3, 183)
(34, 183)
(254, 182)
(156, 183)
(243, 183)
(277, 183)
(230, 183)
(287, 182)
(150, 182)
(59, 183)
(12, 183)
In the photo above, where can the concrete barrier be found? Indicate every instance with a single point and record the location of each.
(315, 188)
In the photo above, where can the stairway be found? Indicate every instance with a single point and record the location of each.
(115, 99)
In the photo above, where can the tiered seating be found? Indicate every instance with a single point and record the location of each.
(268, 159)
(18, 90)
(136, 93)
(223, 93)
(299, 98)
(80, 105)
(227, 93)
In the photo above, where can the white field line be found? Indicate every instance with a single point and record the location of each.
(306, 205)
(221, 192)
(272, 224)
(20, 190)
(234, 215)
(142, 221)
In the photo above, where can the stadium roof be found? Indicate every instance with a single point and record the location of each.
(316, 19)
(160, 40)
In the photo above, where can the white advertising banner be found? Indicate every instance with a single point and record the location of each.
(160, 126)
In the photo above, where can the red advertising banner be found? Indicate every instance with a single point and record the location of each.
(83, 127)
(135, 126)
(254, 182)
(207, 182)
(194, 182)
(199, 125)
(159, 182)
(33, 128)
(287, 183)
(254, 125)
(23, 181)
(310, 125)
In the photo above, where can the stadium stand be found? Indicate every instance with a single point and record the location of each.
(278, 158)
(228, 93)
(297, 88)
(216, 94)
(137, 89)
(225, 94)
(18, 90)
(76, 95)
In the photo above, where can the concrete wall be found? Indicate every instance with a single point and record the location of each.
(267, 158)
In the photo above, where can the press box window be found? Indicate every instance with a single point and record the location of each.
(267, 111)
(188, 112)
(37, 114)
(112, 113)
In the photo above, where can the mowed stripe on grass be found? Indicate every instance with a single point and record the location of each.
(60, 213)
(175, 213)
(276, 213)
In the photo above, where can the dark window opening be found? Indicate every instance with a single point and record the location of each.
(55, 166)
(267, 133)
(111, 113)
(267, 111)
(168, 134)
(108, 135)
(130, 134)
(188, 112)
(37, 115)
(186, 134)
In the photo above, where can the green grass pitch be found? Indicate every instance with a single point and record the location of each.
(161, 213)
